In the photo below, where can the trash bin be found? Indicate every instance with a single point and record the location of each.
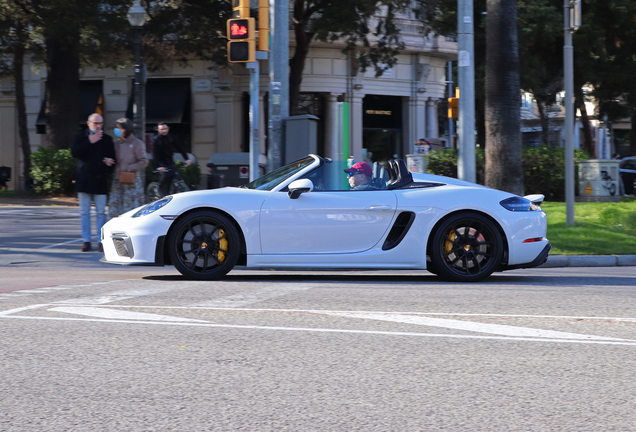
(232, 169)
(416, 163)
(598, 180)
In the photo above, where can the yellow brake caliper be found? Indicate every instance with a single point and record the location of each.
(222, 246)
(448, 246)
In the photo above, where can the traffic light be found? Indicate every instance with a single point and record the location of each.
(240, 8)
(242, 47)
(453, 105)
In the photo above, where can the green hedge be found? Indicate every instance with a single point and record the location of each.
(543, 168)
(53, 171)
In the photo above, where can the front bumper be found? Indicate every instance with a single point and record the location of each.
(135, 241)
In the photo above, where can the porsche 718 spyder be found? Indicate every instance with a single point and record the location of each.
(304, 215)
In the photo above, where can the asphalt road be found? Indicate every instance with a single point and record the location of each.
(92, 347)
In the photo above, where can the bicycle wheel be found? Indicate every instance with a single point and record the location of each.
(152, 192)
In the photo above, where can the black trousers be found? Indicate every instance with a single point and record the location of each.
(166, 180)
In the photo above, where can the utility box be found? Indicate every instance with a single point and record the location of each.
(417, 163)
(232, 169)
(599, 180)
(301, 137)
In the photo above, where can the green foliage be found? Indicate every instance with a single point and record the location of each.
(53, 171)
(544, 171)
(543, 168)
(444, 162)
(190, 174)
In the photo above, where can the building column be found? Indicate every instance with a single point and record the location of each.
(355, 138)
(10, 151)
(417, 121)
(432, 128)
(331, 127)
(228, 120)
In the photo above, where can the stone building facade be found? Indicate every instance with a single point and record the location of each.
(208, 108)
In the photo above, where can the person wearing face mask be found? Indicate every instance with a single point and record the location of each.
(95, 156)
(131, 157)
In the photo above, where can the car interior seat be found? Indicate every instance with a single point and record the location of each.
(403, 176)
(380, 176)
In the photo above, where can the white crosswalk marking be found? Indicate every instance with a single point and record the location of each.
(248, 298)
(119, 314)
(498, 329)
(114, 296)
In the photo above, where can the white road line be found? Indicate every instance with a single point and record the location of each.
(21, 309)
(60, 244)
(324, 330)
(498, 329)
(244, 299)
(121, 315)
(113, 297)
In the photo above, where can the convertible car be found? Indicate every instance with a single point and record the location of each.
(304, 215)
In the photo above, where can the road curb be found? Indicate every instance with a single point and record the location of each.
(589, 261)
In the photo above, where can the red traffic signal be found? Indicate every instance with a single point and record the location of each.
(241, 28)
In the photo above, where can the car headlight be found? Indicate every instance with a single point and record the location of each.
(152, 207)
(518, 203)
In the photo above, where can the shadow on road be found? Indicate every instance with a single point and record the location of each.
(425, 278)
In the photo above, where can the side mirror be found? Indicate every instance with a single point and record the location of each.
(298, 187)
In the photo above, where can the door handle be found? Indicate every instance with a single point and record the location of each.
(378, 207)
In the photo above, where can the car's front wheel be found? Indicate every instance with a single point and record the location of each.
(467, 247)
(204, 245)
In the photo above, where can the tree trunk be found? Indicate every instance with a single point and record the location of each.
(504, 169)
(297, 62)
(545, 123)
(18, 76)
(62, 90)
(632, 138)
(579, 103)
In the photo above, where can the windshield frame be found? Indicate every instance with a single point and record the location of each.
(281, 177)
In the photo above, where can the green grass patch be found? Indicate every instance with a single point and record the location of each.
(599, 228)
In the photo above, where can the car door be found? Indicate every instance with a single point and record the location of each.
(325, 222)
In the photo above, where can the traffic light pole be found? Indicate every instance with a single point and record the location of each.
(568, 81)
(278, 80)
(255, 113)
(466, 72)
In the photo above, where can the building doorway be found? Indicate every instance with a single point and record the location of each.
(382, 127)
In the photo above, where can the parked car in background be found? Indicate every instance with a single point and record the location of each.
(628, 174)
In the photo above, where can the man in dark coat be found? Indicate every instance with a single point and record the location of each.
(95, 153)
(163, 148)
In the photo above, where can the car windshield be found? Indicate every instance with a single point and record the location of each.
(276, 177)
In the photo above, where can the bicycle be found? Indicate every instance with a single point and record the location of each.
(178, 185)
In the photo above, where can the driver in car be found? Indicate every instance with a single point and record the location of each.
(360, 177)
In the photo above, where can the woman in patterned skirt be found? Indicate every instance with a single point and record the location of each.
(131, 157)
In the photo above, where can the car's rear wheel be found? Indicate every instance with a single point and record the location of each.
(204, 245)
(467, 247)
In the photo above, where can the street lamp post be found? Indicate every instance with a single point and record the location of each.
(137, 18)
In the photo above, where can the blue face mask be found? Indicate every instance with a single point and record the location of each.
(117, 132)
(93, 131)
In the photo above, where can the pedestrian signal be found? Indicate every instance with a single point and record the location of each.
(453, 105)
(242, 47)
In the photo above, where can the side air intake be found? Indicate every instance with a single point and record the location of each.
(399, 230)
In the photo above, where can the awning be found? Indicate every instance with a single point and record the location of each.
(167, 100)
(91, 101)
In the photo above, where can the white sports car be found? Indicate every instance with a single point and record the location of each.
(304, 215)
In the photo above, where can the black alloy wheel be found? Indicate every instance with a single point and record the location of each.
(467, 247)
(204, 245)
